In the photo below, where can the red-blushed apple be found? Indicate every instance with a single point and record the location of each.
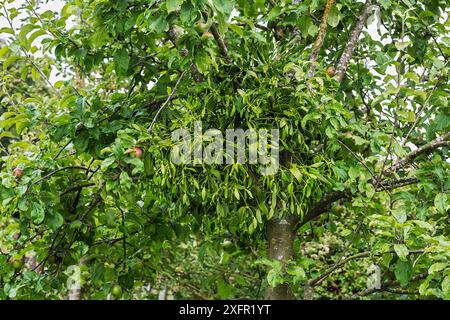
(18, 172)
(331, 71)
(135, 152)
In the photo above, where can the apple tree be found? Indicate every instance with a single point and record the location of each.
(359, 205)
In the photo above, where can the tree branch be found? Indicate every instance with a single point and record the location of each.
(150, 128)
(320, 37)
(437, 143)
(219, 40)
(323, 205)
(351, 44)
(198, 77)
(329, 271)
(62, 169)
(327, 200)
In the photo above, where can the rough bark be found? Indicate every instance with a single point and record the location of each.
(320, 37)
(280, 238)
(352, 42)
(218, 38)
(196, 74)
(76, 291)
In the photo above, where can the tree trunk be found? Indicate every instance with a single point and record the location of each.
(280, 239)
(75, 290)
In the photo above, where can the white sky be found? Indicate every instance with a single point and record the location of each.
(54, 5)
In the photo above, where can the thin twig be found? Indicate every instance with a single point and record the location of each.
(360, 255)
(29, 57)
(62, 149)
(61, 169)
(424, 105)
(441, 141)
(150, 128)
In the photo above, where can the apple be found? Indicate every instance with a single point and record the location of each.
(179, 269)
(227, 244)
(207, 34)
(17, 264)
(135, 152)
(18, 172)
(331, 71)
(200, 27)
(116, 291)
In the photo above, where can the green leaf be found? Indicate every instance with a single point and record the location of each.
(236, 193)
(436, 267)
(274, 13)
(370, 190)
(186, 12)
(403, 272)
(413, 76)
(203, 193)
(446, 287)
(334, 17)
(385, 3)
(223, 289)
(4, 51)
(202, 61)
(224, 6)
(305, 22)
(77, 224)
(121, 61)
(36, 34)
(11, 60)
(402, 45)
(171, 5)
(37, 213)
(237, 29)
(401, 250)
(68, 10)
(125, 180)
(55, 220)
(441, 202)
(310, 117)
